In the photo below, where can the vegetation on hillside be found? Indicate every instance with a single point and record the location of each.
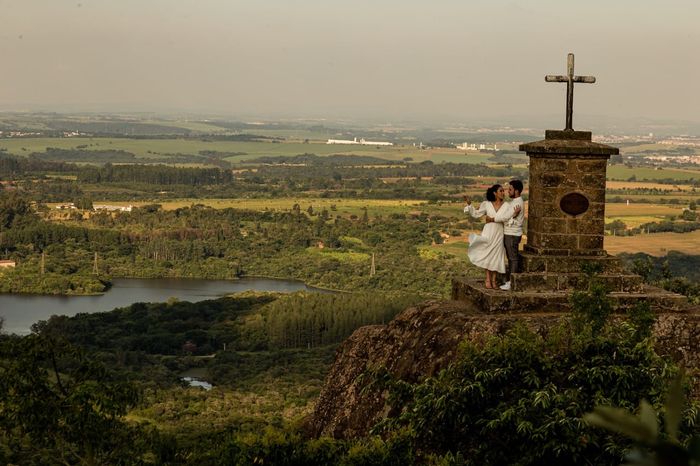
(517, 398)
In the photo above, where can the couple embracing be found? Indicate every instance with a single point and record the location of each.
(501, 234)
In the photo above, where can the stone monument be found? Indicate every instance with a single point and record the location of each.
(566, 226)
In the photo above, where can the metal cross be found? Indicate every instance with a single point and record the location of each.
(569, 79)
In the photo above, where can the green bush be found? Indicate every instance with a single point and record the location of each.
(520, 397)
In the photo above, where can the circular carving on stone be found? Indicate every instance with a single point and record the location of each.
(574, 203)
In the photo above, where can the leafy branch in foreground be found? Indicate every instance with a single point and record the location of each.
(654, 448)
(58, 406)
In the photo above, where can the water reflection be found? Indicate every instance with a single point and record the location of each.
(21, 311)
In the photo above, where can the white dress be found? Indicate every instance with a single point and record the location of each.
(486, 250)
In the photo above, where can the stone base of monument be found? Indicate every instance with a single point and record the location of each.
(534, 300)
(562, 273)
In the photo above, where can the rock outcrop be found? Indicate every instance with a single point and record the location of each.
(424, 339)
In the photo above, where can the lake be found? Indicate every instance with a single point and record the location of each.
(20, 311)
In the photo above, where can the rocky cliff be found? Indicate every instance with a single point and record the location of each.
(423, 339)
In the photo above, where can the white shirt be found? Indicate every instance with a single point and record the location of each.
(512, 226)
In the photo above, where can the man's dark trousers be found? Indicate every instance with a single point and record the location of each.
(511, 244)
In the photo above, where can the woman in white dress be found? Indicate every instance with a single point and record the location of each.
(486, 250)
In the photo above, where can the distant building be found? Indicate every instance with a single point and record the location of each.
(113, 208)
(468, 146)
(342, 141)
(6, 264)
(66, 206)
(362, 141)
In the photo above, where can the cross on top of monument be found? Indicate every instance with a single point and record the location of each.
(569, 79)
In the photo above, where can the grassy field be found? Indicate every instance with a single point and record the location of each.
(455, 246)
(632, 214)
(644, 147)
(618, 172)
(648, 185)
(657, 210)
(655, 244)
(683, 197)
(633, 221)
(344, 207)
(156, 148)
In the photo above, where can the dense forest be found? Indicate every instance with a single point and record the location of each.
(337, 176)
(108, 388)
(228, 243)
(99, 389)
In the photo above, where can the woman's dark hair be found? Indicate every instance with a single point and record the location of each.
(491, 192)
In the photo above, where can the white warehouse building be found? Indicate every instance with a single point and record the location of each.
(362, 141)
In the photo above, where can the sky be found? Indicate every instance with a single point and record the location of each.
(452, 60)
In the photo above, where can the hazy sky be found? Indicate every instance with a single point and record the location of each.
(403, 59)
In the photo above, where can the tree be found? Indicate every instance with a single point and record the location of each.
(83, 203)
(689, 215)
(14, 209)
(653, 448)
(59, 406)
(519, 398)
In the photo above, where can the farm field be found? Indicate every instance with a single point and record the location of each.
(655, 244)
(639, 147)
(156, 148)
(617, 172)
(343, 207)
(632, 210)
(640, 213)
(682, 197)
(647, 185)
(455, 246)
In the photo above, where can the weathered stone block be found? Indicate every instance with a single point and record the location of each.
(563, 265)
(533, 237)
(533, 282)
(593, 181)
(533, 263)
(550, 210)
(551, 180)
(596, 209)
(592, 166)
(570, 183)
(559, 241)
(554, 165)
(596, 195)
(538, 164)
(590, 241)
(549, 195)
(554, 225)
(585, 225)
(568, 264)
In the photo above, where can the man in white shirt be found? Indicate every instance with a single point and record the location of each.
(512, 215)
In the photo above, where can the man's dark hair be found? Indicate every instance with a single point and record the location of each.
(491, 192)
(517, 185)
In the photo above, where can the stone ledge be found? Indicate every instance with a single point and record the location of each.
(532, 262)
(560, 251)
(568, 134)
(569, 148)
(561, 281)
(497, 301)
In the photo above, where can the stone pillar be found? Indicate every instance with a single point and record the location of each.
(566, 215)
(566, 225)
